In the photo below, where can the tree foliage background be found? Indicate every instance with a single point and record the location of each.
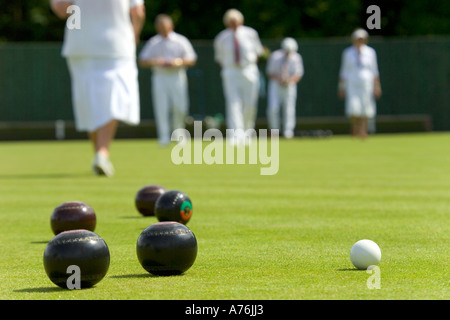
(32, 20)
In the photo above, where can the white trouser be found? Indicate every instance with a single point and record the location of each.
(285, 97)
(170, 98)
(241, 87)
(360, 100)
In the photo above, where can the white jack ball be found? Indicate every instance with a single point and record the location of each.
(365, 253)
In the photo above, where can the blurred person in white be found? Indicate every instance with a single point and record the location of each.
(359, 82)
(285, 70)
(101, 57)
(168, 54)
(237, 49)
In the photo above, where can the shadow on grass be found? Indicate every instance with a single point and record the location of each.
(349, 269)
(40, 290)
(137, 275)
(143, 275)
(140, 217)
(40, 242)
(59, 289)
(44, 176)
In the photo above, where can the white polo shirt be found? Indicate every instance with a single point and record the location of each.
(294, 63)
(249, 44)
(105, 30)
(356, 67)
(173, 47)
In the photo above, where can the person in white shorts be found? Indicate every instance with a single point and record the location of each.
(101, 56)
(359, 82)
(284, 69)
(168, 54)
(237, 49)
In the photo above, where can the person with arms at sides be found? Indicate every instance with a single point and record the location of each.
(237, 49)
(101, 57)
(359, 82)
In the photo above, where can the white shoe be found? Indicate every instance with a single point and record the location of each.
(237, 139)
(102, 166)
(289, 134)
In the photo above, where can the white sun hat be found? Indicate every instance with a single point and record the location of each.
(289, 44)
(360, 34)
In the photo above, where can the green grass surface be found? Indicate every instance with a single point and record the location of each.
(283, 237)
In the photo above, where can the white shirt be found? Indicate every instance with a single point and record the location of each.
(105, 29)
(356, 67)
(172, 47)
(250, 47)
(294, 64)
